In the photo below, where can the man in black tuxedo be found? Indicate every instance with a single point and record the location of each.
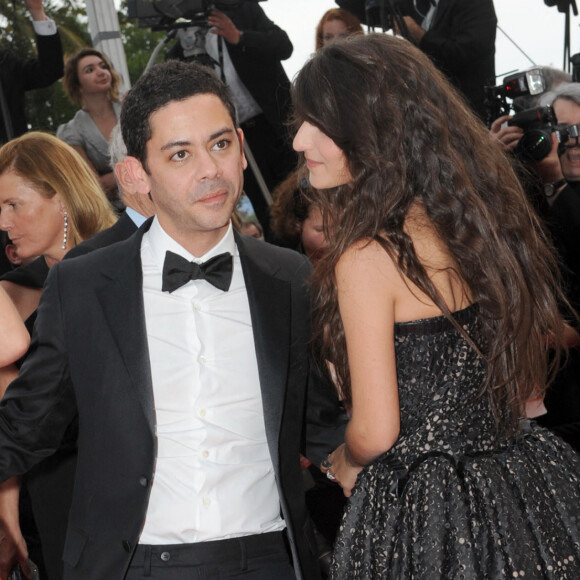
(18, 75)
(184, 352)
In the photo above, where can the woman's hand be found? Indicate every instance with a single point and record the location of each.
(341, 468)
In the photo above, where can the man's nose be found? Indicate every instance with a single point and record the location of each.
(208, 167)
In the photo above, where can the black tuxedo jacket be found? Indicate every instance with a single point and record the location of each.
(123, 228)
(89, 357)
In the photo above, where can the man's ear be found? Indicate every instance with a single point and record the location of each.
(241, 141)
(122, 175)
(137, 175)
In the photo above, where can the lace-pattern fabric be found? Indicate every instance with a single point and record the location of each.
(450, 500)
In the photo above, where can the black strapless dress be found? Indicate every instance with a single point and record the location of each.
(450, 500)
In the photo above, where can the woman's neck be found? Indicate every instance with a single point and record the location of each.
(54, 256)
(98, 105)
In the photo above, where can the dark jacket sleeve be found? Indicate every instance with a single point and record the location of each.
(326, 418)
(48, 67)
(261, 38)
(40, 404)
(19, 75)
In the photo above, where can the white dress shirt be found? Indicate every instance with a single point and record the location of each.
(214, 478)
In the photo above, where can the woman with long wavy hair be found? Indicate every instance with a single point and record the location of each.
(437, 305)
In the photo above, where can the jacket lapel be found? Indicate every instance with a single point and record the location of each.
(269, 299)
(121, 299)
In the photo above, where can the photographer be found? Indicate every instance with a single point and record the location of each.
(563, 179)
(553, 185)
(458, 35)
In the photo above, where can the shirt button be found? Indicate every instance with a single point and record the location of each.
(197, 306)
(202, 359)
(165, 556)
(206, 501)
(206, 454)
(203, 413)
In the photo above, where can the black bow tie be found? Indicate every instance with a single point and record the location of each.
(178, 271)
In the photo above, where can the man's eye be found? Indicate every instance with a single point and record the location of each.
(180, 155)
(222, 144)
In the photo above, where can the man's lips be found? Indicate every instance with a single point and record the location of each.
(213, 196)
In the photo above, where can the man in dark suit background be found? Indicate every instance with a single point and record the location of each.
(18, 76)
(190, 398)
(458, 35)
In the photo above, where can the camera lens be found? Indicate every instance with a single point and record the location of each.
(534, 145)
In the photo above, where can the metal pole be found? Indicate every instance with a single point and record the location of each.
(106, 36)
(257, 173)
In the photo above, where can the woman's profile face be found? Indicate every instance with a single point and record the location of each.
(34, 223)
(325, 160)
(94, 74)
(333, 30)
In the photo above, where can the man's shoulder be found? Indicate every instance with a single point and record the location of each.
(119, 231)
(96, 261)
(281, 262)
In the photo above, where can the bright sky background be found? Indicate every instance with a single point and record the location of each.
(536, 28)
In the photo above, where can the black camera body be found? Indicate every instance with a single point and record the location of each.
(538, 125)
(527, 82)
(161, 14)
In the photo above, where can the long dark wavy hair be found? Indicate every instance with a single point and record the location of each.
(410, 139)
